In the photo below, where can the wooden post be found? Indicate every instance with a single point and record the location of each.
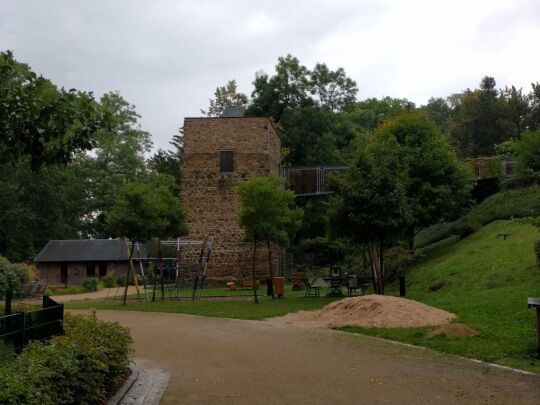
(9, 296)
(130, 265)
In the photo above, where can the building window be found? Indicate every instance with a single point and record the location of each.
(226, 162)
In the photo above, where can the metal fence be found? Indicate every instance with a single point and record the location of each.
(18, 329)
(308, 181)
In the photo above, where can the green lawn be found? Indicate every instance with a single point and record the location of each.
(293, 301)
(485, 280)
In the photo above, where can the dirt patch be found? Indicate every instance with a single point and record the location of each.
(452, 330)
(371, 311)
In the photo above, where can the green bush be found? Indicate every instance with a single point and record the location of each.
(90, 284)
(121, 280)
(78, 368)
(108, 281)
(11, 275)
(466, 227)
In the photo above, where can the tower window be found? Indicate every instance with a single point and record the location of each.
(226, 162)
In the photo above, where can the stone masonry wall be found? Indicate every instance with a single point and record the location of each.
(210, 198)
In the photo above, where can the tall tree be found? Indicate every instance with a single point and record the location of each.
(436, 184)
(287, 89)
(370, 208)
(333, 89)
(41, 122)
(224, 97)
(119, 157)
(481, 120)
(439, 111)
(267, 214)
(145, 210)
(36, 206)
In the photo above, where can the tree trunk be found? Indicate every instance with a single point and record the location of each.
(162, 281)
(130, 265)
(381, 265)
(271, 269)
(253, 272)
(154, 284)
(376, 269)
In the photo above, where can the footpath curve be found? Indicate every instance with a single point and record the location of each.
(228, 361)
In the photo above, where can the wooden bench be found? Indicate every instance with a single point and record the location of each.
(248, 283)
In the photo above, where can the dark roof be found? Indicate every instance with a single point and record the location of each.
(86, 250)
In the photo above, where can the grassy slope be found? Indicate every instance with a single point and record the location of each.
(485, 281)
(518, 203)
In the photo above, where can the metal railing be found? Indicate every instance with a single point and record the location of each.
(18, 329)
(306, 181)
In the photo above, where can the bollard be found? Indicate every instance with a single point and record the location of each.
(402, 289)
(269, 287)
(9, 297)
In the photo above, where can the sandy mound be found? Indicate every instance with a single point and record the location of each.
(372, 311)
(452, 330)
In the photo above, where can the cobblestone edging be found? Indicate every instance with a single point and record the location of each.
(145, 386)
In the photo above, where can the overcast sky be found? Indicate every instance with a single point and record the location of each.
(168, 56)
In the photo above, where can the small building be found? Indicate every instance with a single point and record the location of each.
(71, 261)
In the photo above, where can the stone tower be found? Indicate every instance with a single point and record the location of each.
(218, 153)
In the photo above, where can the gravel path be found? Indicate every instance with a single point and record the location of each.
(116, 292)
(214, 361)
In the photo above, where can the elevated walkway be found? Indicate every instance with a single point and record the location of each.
(309, 181)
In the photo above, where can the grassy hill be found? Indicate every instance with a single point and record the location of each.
(485, 280)
(518, 203)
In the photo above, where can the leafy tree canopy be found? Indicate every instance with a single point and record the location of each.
(295, 86)
(224, 97)
(40, 121)
(436, 184)
(267, 210)
(148, 209)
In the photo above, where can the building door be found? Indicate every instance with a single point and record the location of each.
(90, 269)
(64, 273)
(102, 269)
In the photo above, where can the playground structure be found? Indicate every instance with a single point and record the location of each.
(174, 265)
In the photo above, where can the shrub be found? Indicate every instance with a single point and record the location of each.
(78, 368)
(108, 281)
(90, 284)
(466, 227)
(11, 275)
(121, 280)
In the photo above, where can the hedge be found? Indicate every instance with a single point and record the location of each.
(81, 367)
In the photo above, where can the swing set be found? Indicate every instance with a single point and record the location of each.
(179, 265)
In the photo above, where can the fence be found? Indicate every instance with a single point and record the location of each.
(17, 329)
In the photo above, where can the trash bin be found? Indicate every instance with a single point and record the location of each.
(279, 286)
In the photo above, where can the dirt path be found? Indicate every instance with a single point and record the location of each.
(214, 361)
(105, 292)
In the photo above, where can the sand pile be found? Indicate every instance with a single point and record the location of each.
(372, 311)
